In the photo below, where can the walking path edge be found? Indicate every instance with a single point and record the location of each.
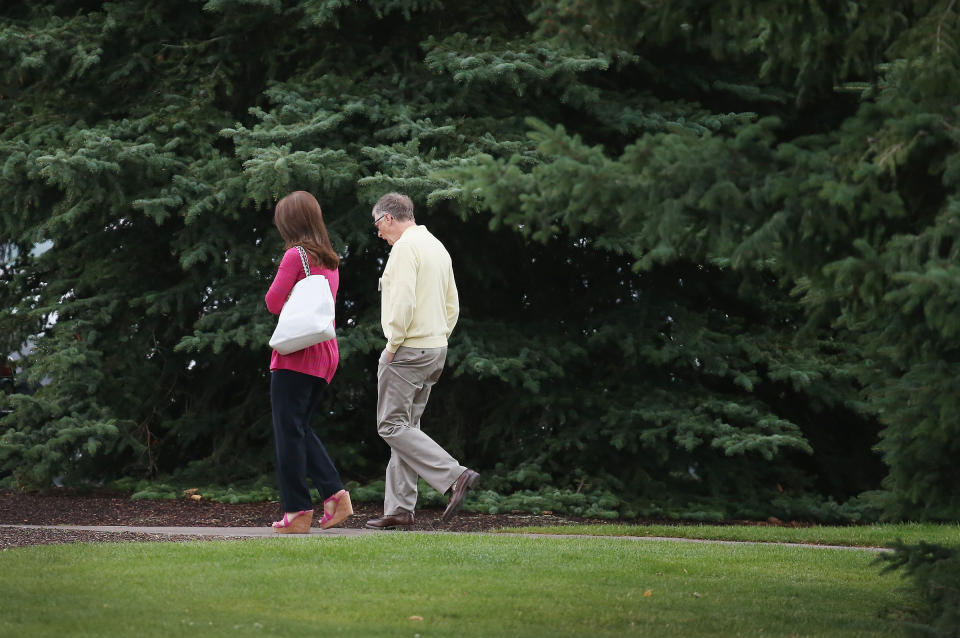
(266, 532)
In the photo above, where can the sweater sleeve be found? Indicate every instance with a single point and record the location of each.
(399, 295)
(289, 272)
(452, 305)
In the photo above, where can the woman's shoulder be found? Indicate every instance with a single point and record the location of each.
(290, 256)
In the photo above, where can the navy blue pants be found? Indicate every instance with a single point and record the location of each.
(300, 454)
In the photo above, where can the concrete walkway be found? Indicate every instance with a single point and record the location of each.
(266, 532)
(251, 532)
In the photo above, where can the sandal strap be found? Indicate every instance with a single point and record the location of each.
(285, 522)
(336, 497)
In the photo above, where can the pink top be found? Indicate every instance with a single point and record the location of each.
(320, 360)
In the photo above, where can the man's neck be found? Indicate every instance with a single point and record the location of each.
(405, 226)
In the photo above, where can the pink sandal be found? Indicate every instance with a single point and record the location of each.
(343, 509)
(299, 524)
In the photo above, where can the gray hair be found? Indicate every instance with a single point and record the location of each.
(398, 205)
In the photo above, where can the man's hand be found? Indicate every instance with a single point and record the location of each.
(389, 356)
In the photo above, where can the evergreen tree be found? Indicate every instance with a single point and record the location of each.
(705, 251)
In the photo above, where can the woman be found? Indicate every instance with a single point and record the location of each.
(298, 379)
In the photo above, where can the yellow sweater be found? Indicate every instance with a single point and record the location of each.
(419, 305)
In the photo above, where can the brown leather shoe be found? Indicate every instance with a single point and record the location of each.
(391, 521)
(458, 491)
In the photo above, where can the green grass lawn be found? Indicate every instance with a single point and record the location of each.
(409, 584)
(859, 536)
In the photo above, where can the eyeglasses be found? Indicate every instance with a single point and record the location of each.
(377, 220)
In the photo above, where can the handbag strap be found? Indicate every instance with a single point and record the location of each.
(303, 261)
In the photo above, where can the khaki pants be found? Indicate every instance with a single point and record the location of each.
(403, 387)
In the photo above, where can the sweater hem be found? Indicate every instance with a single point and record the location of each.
(421, 342)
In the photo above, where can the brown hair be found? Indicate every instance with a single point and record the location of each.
(300, 221)
(397, 204)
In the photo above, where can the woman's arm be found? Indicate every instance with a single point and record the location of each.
(289, 272)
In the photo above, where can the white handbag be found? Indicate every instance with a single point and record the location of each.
(307, 317)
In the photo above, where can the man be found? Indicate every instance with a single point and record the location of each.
(418, 310)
